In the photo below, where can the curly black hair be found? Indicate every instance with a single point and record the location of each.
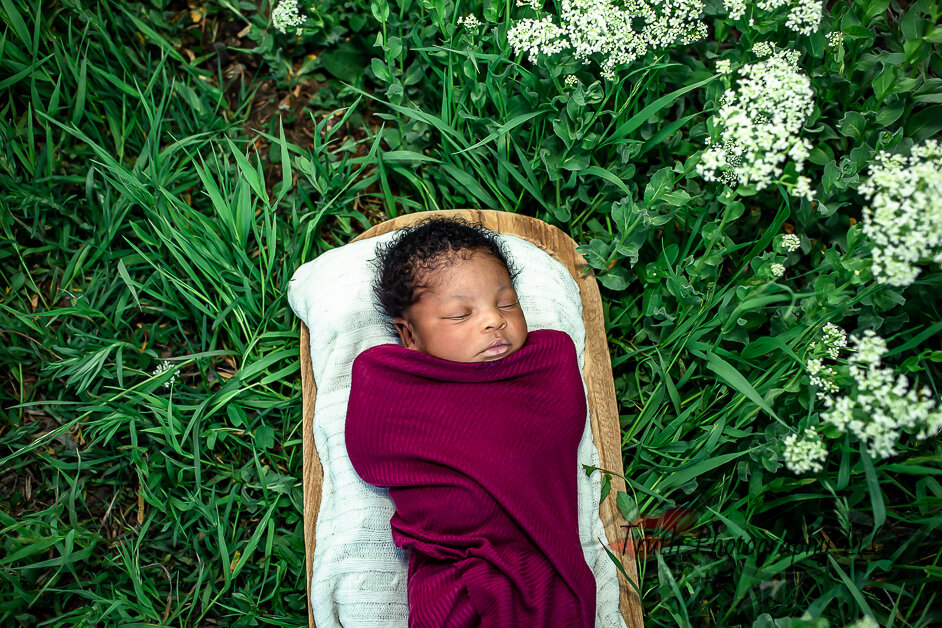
(402, 263)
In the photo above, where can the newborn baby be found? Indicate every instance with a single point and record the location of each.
(463, 306)
(472, 423)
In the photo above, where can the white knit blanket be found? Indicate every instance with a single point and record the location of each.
(359, 575)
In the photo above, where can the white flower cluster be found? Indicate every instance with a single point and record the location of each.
(598, 26)
(162, 368)
(469, 21)
(572, 80)
(724, 66)
(777, 270)
(822, 377)
(791, 242)
(285, 16)
(869, 348)
(735, 8)
(803, 188)
(884, 405)
(805, 453)
(904, 216)
(834, 340)
(835, 38)
(803, 15)
(864, 622)
(762, 49)
(536, 5)
(777, 94)
(539, 36)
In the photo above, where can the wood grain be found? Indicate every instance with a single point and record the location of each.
(600, 387)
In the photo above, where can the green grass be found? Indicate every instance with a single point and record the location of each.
(156, 198)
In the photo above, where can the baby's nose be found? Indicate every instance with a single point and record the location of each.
(494, 319)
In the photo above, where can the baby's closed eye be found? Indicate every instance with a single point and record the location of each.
(503, 306)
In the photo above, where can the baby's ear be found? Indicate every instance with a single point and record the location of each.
(405, 332)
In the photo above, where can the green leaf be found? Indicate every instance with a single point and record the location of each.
(577, 162)
(126, 278)
(629, 126)
(873, 487)
(264, 437)
(935, 35)
(381, 70)
(608, 176)
(660, 184)
(236, 414)
(614, 279)
(16, 21)
(891, 112)
(249, 172)
(502, 130)
(925, 123)
(666, 578)
(854, 591)
(875, 8)
(626, 506)
(853, 125)
(684, 475)
(345, 62)
(725, 371)
(596, 253)
(380, 10)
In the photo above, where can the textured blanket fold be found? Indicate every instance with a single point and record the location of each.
(480, 461)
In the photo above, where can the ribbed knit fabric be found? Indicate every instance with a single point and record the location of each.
(478, 459)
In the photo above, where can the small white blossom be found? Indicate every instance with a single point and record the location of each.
(904, 215)
(723, 66)
(791, 242)
(536, 5)
(882, 405)
(834, 339)
(865, 622)
(162, 368)
(835, 38)
(869, 348)
(803, 184)
(775, 92)
(729, 178)
(777, 269)
(762, 49)
(804, 453)
(285, 16)
(588, 27)
(572, 80)
(822, 377)
(469, 21)
(735, 8)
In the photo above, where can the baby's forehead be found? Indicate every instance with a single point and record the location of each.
(442, 280)
(446, 264)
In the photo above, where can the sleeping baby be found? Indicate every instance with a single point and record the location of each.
(472, 424)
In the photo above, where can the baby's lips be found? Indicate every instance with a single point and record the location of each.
(497, 343)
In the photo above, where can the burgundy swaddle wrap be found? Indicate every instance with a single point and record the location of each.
(480, 461)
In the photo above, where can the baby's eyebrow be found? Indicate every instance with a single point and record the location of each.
(462, 297)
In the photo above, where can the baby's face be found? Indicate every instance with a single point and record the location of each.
(470, 306)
